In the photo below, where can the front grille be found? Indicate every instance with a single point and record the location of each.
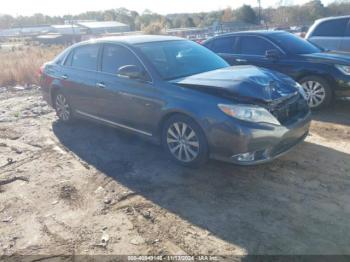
(290, 109)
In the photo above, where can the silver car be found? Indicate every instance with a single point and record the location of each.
(332, 33)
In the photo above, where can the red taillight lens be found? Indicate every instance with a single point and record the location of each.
(41, 70)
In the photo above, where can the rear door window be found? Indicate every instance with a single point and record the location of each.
(68, 61)
(332, 28)
(85, 57)
(224, 45)
(252, 45)
(60, 58)
(116, 56)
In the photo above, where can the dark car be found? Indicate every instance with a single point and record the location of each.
(323, 75)
(180, 94)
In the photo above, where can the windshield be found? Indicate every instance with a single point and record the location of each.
(293, 44)
(175, 59)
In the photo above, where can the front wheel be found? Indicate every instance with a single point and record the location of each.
(318, 91)
(62, 107)
(184, 140)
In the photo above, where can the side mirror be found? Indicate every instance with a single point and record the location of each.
(272, 54)
(131, 72)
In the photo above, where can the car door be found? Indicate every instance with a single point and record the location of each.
(251, 50)
(259, 51)
(329, 34)
(224, 47)
(129, 103)
(79, 75)
(345, 43)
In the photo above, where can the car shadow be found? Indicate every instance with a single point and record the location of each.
(337, 113)
(286, 207)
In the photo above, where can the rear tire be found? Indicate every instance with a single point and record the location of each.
(184, 140)
(318, 91)
(62, 107)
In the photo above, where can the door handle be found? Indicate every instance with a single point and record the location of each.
(241, 60)
(64, 77)
(100, 85)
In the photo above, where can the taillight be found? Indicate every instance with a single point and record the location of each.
(41, 70)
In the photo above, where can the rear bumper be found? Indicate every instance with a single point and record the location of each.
(251, 144)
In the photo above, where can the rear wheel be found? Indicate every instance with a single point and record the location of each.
(185, 141)
(62, 107)
(318, 91)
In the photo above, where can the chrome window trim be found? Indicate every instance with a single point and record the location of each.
(113, 123)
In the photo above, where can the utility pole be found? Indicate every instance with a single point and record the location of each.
(259, 3)
(73, 30)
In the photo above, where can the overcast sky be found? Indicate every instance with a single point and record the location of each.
(60, 7)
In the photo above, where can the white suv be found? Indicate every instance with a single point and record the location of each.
(332, 33)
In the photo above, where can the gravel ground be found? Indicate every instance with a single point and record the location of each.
(91, 189)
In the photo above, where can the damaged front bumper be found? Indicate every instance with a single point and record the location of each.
(251, 144)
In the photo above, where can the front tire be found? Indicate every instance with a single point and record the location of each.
(318, 92)
(62, 107)
(184, 140)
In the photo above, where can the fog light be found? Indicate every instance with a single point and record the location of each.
(245, 157)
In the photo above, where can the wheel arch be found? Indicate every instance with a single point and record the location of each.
(324, 75)
(54, 89)
(172, 113)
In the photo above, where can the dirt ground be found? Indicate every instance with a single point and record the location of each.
(91, 189)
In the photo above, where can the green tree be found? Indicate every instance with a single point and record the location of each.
(246, 14)
(315, 9)
(284, 14)
(188, 22)
(338, 8)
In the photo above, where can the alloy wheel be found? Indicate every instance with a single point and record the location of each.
(62, 107)
(182, 141)
(315, 93)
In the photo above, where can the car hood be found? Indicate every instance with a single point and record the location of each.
(331, 57)
(242, 83)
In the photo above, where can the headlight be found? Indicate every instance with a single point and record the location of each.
(345, 69)
(249, 113)
(301, 90)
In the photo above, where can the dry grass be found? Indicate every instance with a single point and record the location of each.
(21, 66)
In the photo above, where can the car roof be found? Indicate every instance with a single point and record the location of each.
(256, 32)
(320, 21)
(331, 18)
(134, 39)
(265, 33)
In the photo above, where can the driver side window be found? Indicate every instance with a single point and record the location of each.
(115, 56)
(224, 45)
(252, 45)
